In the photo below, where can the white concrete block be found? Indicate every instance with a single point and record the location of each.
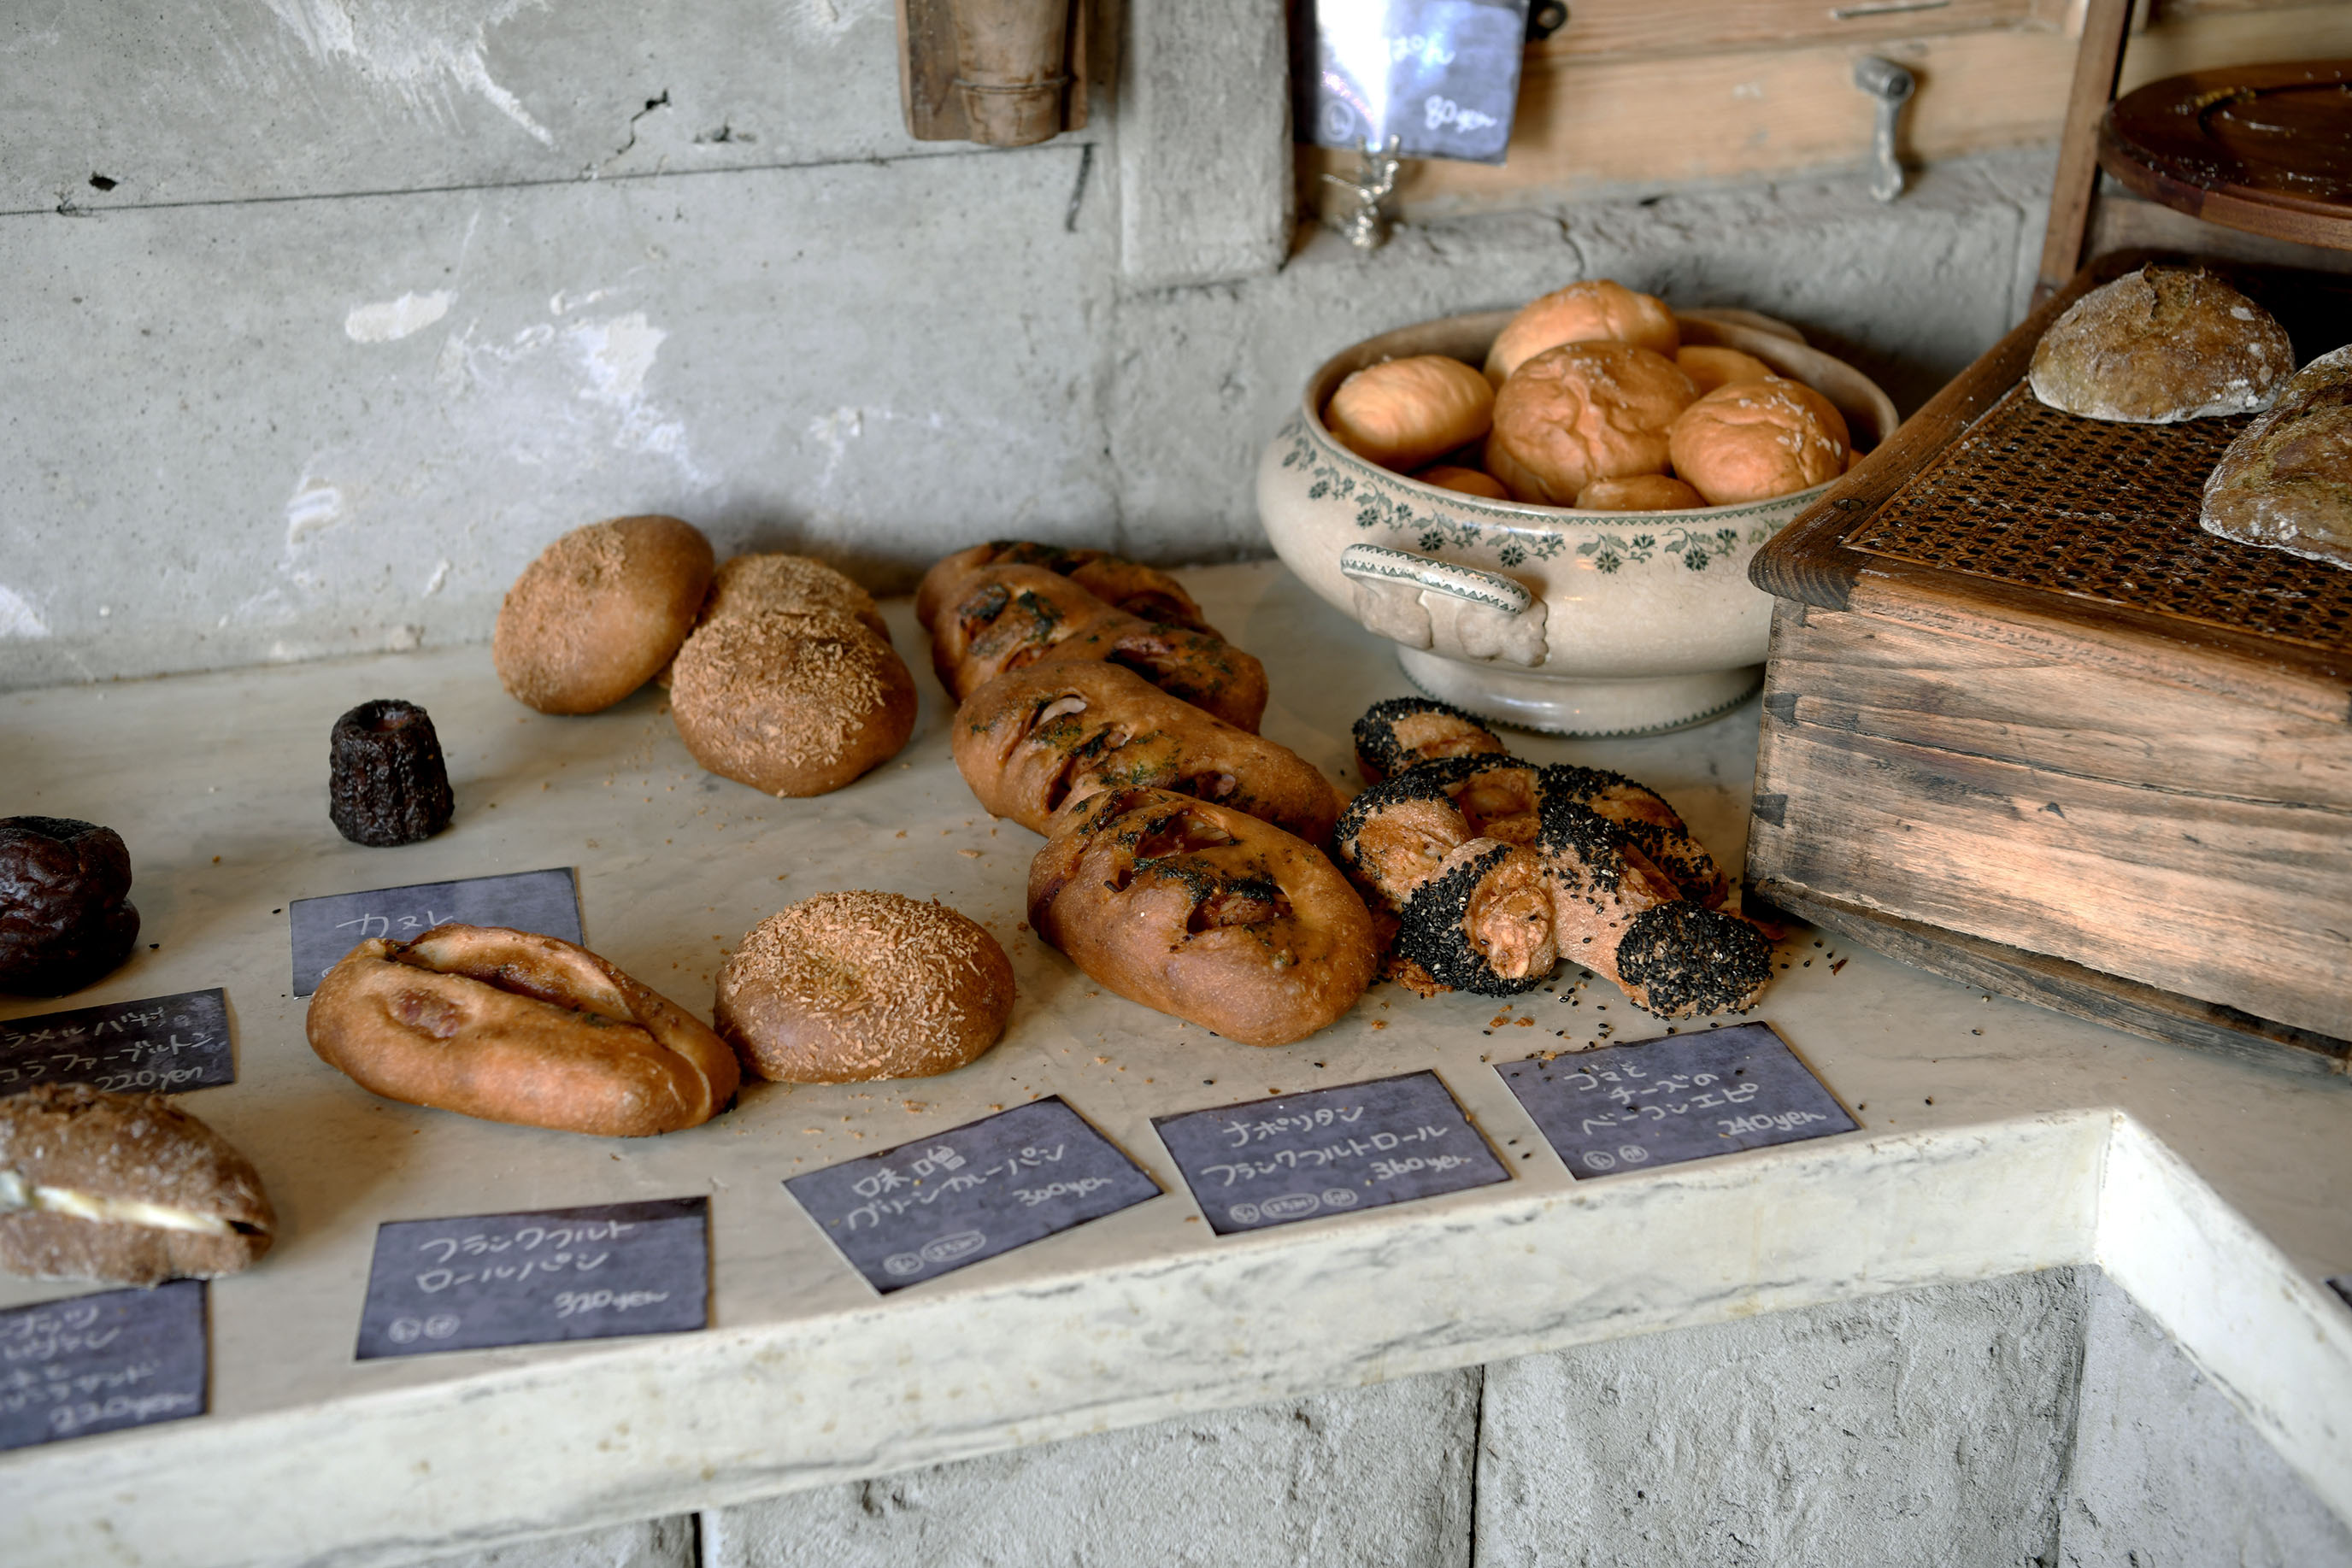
(1927, 1427)
(1363, 1476)
(648, 1543)
(2166, 1471)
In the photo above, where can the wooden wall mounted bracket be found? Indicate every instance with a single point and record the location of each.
(1003, 73)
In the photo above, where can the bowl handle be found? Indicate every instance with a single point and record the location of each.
(1379, 563)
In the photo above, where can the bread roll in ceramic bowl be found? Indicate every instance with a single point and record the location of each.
(1549, 618)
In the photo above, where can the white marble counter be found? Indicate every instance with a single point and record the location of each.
(1996, 1138)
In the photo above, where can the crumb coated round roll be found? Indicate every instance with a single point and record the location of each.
(755, 584)
(1590, 310)
(1204, 914)
(386, 782)
(852, 985)
(1399, 733)
(1639, 493)
(512, 1026)
(1749, 441)
(1580, 413)
(1400, 413)
(600, 611)
(66, 917)
(791, 702)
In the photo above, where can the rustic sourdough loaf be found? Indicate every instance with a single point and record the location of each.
(2159, 345)
(2286, 481)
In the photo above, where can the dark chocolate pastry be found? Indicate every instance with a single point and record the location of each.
(64, 919)
(387, 784)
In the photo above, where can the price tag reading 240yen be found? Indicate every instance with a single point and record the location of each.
(528, 1279)
(1684, 1097)
(1330, 1151)
(944, 1202)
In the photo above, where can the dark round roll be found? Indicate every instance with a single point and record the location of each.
(386, 783)
(65, 918)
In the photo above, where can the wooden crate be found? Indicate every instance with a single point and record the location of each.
(2025, 723)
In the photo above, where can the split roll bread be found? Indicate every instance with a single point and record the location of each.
(1590, 310)
(1143, 591)
(600, 611)
(1583, 412)
(1639, 493)
(1034, 744)
(2159, 345)
(1497, 868)
(1401, 413)
(1000, 618)
(1463, 481)
(510, 1026)
(1749, 441)
(2286, 481)
(791, 702)
(1203, 912)
(847, 986)
(124, 1188)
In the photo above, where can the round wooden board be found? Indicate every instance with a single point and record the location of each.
(2265, 148)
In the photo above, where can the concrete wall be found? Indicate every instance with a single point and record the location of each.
(326, 315)
(2035, 1421)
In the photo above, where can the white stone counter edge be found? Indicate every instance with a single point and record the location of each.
(659, 1426)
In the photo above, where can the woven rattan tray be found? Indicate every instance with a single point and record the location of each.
(1987, 493)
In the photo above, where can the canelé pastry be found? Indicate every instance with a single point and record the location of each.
(1400, 413)
(748, 585)
(1203, 912)
(1463, 481)
(791, 702)
(1580, 413)
(1639, 493)
(1010, 617)
(1404, 732)
(124, 1188)
(1593, 310)
(851, 986)
(66, 918)
(511, 1026)
(2159, 345)
(1034, 743)
(386, 782)
(1749, 441)
(1143, 591)
(1711, 365)
(600, 611)
(2286, 481)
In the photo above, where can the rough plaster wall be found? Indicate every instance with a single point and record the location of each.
(1370, 1478)
(1925, 1426)
(2167, 1474)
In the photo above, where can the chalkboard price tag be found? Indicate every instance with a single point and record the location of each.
(532, 1279)
(161, 1045)
(947, 1201)
(1440, 76)
(546, 902)
(1681, 1097)
(1332, 1150)
(99, 1364)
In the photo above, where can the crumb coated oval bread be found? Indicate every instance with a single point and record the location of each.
(1580, 413)
(124, 1188)
(66, 916)
(1639, 493)
(852, 985)
(600, 611)
(1749, 441)
(512, 1026)
(2159, 345)
(1205, 914)
(1399, 733)
(756, 585)
(1400, 413)
(1144, 591)
(1590, 310)
(791, 702)
(1034, 742)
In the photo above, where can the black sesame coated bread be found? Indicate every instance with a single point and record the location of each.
(387, 784)
(1484, 922)
(65, 918)
(1404, 732)
(1683, 960)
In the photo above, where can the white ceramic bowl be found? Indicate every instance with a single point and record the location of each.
(1544, 617)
